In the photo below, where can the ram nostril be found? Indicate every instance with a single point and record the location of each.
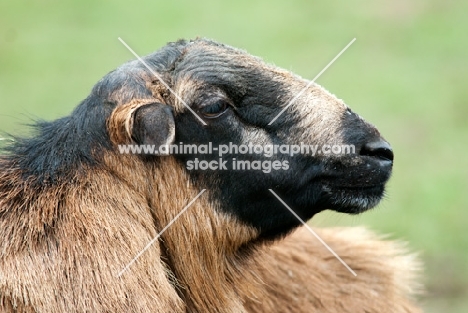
(379, 149)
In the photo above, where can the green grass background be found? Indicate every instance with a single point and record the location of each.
(406, 73)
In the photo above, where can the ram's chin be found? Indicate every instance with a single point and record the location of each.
(354, 200)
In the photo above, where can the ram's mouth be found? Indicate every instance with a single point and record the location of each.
(353, 200)
(354, 184)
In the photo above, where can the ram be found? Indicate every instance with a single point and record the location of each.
(86, 227)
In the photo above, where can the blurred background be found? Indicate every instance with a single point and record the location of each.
(406, 73)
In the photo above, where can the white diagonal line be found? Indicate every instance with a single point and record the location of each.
(161, 80)
(314, 233)
(312, 81)
(159, 235)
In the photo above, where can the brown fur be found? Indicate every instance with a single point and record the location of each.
(300, 275)
(94, 237)
(103, 222)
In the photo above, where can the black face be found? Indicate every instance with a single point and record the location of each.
(237, 96)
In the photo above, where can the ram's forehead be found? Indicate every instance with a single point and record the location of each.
(205, 63)
(210, 51)
(204, 56)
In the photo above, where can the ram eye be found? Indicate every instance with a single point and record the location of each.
(214, 110)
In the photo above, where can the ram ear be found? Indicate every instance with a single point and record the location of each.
(153, 124)
(142, 121)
